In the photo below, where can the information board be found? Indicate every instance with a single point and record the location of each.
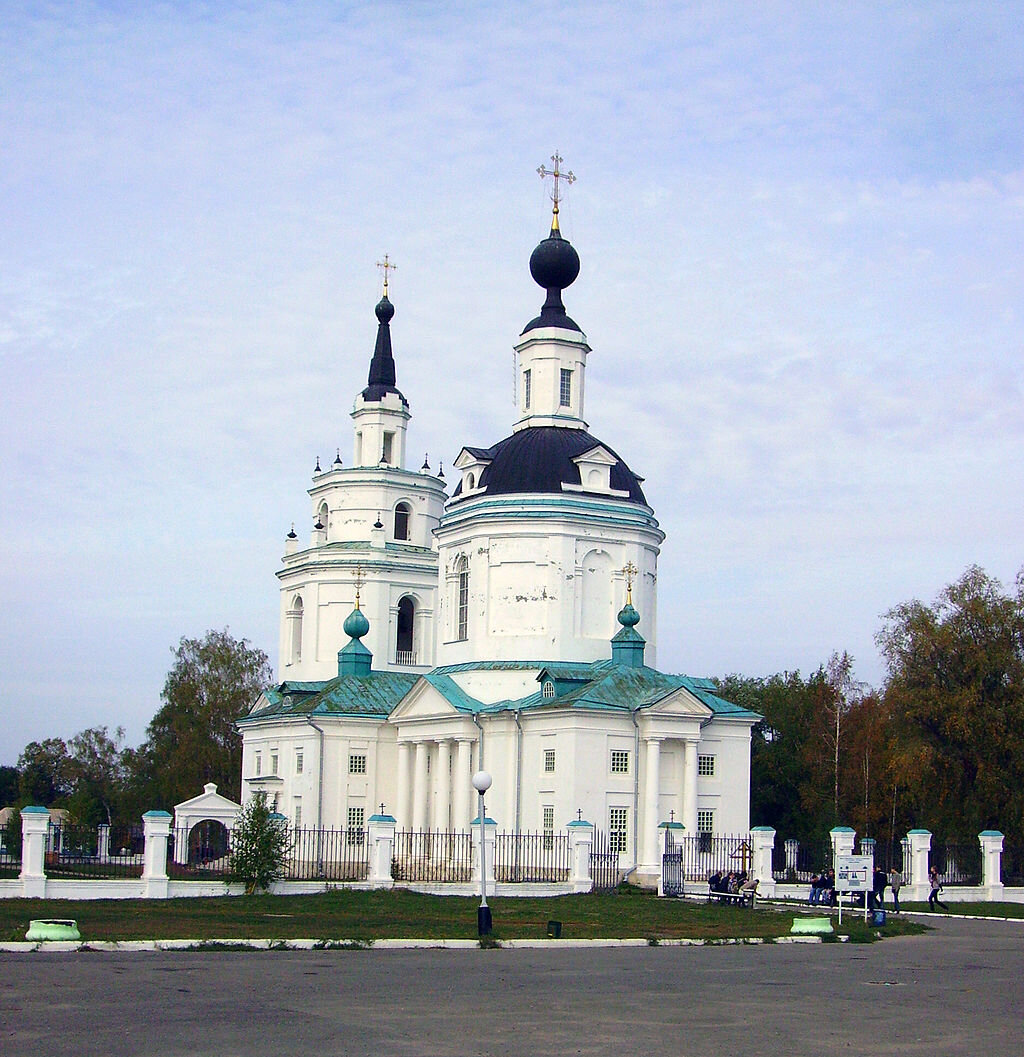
(853, 873)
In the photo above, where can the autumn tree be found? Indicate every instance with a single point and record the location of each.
(193, 739)
(44, 772)
(956, 693)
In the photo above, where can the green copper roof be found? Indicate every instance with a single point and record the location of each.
(373, 694)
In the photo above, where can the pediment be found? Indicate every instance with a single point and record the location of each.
(679, 703)
(423, 701)
(598, 456)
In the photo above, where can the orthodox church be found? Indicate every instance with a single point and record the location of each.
(506, 625)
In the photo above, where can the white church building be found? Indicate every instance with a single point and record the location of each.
(507, 625)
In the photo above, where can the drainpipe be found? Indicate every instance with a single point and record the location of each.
(636, 789)
(519, 770)
(480, 754)
(319, 796)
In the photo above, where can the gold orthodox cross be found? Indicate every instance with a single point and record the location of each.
(557, 174)
(630, 571)
(359, 581)
(386, 266)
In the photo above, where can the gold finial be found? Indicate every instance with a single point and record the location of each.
(359, 581)
(386, 266)
(557, 173)
(630, 571)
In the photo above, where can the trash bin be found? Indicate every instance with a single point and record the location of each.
(554, 930)
(878, 917)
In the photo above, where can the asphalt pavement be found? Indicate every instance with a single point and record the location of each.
(958, 990)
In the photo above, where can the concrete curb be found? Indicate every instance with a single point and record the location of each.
(155, 946)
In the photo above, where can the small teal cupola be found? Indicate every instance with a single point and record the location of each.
(355, 658)
(628, 644)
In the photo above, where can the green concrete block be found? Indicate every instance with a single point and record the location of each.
(52, 929)
(811, 925)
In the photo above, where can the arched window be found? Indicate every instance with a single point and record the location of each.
(548, 689)
(405, 647)
(402, 512)
(295, 627)
(321, 517)
(470, 482)
(462, 574)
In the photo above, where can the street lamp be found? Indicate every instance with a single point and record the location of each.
(481, 783)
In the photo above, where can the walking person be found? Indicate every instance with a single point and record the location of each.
(895, 883)
(936, 887)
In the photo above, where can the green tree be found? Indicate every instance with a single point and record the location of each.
(193, 739)
(260, 843)
(44, 769)
(8, 785)
(97, 774)
(956, 693)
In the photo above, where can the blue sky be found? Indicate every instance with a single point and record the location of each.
(801, 232)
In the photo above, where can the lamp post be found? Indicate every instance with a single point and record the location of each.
(481, 783)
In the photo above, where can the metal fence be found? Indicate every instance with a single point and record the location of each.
(604, 864)
(94, 853)
(434, 856)
(800, 862)
(328, 855)
(202, 853)
(958, 864)
(1013, 864)
(10, 862)
(531, 857)
(703, 854)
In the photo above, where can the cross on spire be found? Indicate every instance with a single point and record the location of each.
(630, 572)
(386, 266)
(557, 174)
(359, 581)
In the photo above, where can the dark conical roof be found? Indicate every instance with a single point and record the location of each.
(540, 459)
(381, 378)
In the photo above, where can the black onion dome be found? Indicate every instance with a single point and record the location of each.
(554, 265)
(381, 378)
(539, 459)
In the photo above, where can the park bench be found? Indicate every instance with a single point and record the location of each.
(741, 898)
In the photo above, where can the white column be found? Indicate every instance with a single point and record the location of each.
(762, 839)
(991, 864)
(381, 835)
(419, 788)
(581, 842)
(463, 785)
(442, 803)
(690, 787)
(401, 809)
(652, 786)
(156, 830)
(917, 876)
(35, 824)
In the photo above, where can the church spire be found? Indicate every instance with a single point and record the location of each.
(381, 378)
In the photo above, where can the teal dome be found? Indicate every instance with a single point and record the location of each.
(628, 616)
(356, 625)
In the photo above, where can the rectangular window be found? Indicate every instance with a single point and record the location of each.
(565, 389)
(526, 390)
(298, 761)
(259, 764)
(618, 829)
(389, 440)
(298, 812)
(549, 761)
(357, 764)
(548, 817)
(273, 763)
(706, 766)
(705, 821)
(620, 761)
(274, 801)
(463, 604)
(356, 821)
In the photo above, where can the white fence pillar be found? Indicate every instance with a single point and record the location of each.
(762, 839)
(35, 825)
(157, 830)
(581, 843)
(920, 845)
(792, 855)
(992, 864)
(842, 841)
(103, 842)
(380, 831)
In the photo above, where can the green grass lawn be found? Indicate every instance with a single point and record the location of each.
(346, 914)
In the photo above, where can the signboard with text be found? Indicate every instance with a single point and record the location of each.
(853, 873)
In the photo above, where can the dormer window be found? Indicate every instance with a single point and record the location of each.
(595, 468)
(565, 389)
(548, 689)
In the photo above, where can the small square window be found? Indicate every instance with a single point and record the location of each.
(549, 761)
(620, 761)
(356, 822)
(705, 821)
(357, 764)
(706, 766)
(618, 829)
